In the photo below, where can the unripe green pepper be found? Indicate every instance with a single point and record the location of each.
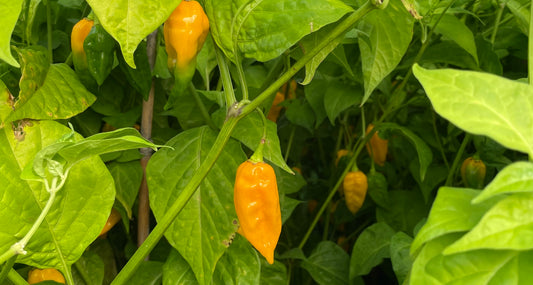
(473, 172)
(100, 49)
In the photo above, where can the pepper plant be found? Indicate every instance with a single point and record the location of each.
(147, 109)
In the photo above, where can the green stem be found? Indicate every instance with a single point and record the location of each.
(7, 268)
(223, 137)
(242, 78)
(289, 144)
(497, 22)
(457, 159)
(226, 77)
(49, 30)
(15, 278)
(201, 105)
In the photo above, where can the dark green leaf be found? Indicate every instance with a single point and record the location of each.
(328, 264)
(371, 247)
(239, 265)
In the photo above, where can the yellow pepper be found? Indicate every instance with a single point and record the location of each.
(40, 275)
(377, 147)
(113, 219)
(355, 186)
(77, 38)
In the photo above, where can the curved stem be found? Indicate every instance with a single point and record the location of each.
(497, 22)
(457, 159)
(226, 77)
(289, 144)
(7, 268)
(15, 278)
(242, 78)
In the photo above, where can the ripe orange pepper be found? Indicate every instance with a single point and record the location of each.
(355, 186)
(377, 147)
(274, 111)
(257, 205)
(113, 219)
(77, 38)
(40, 275)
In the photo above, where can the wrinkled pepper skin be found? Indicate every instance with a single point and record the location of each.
(473, 172)
(80, 31)
(99, 48)
(113, 219)
(257, 205)
(377, 147)
(40, 275)
(185, 32)
(355, 186)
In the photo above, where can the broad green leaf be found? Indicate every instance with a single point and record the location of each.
(249, 131)
(474, 267)
(339, 97)
(299, 112)
(371, 247)
(148, 273)
(34, 67)
(289, 183)
(405, 210)
(89, 267)
(390, 31)
(6, 102)
(451, 212)
(127, 177)
(507, 225)
(521, 13)
(206, 61)
(109, 99)
(328, 264)
(287, 205)
(378, 188)
(482, 104)
(239, 265)
(9, 14)
(263, 30)
(130, 21)
(141, 77)
(188, 112)
(314, 93)
(517, 177)
(209, 217)
(176, 271)
(76, 217)
(435, 176)
(399, 253)
(448, 52)
(425, 156)
(273, 274)
(60, 97)
(456, 30)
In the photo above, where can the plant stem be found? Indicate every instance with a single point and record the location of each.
(143, 222)
(289, 144)
(15, 278)
(226, 77)
(223, 137)
(201, 105)
(457, 159)
(497, 22)
(49, 30)
(7, 268)
(242, 78)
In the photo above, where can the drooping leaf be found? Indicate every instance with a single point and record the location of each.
(129, 22)
(371, 247)
(273, 274)
(300, 113)
(127, 177)
(328, 264)
(339, 97)
(265, 29)
(400, 258)
(482, 104)
(209, 218)
(239, 265)
(60, 97)
(390, 31)
(314, 93)
(78, 214)
(455, 29)
(9, 13)
(91, 267)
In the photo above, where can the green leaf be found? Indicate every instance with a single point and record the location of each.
(452, 212)
(141, 77)
(371, 247)
(289, 183)
(176, 271)
(516, 177)
(521, 13)
(249, 131)
(273, 274)
(61, 97)
(299, 112)
(405, 210)
(425, 156)
(35, 65)
(6, 102)
(314, 93)
(89, 267)
(339, 97)
(482, 104)
(378, 188)
(129, 22)
(99, 48)
(456, 30)
(435, 176)
(400, 257)
(78, 214)
(148, 273)
(209, 217)
(263, 30)
(127, 177)
(206, 61)
(328, 264)
(287, 205)
(9, 14)
(507, 225)
(390, 31)
(239, 265)
(187, 111)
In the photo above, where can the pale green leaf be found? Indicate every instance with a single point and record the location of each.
(60, 97)
(456, 30)
(209, 218)
(371, 247)
(127, 177)
(507, 225)
(328, 264)
(517, 177)
(78, 214)
(400, 257)
(265, 29)
(130, 21)
(176, 270)
(6, 102)
(482, 104)
(239, 265)
(9, 13)
(390, 31)
(148, 273)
